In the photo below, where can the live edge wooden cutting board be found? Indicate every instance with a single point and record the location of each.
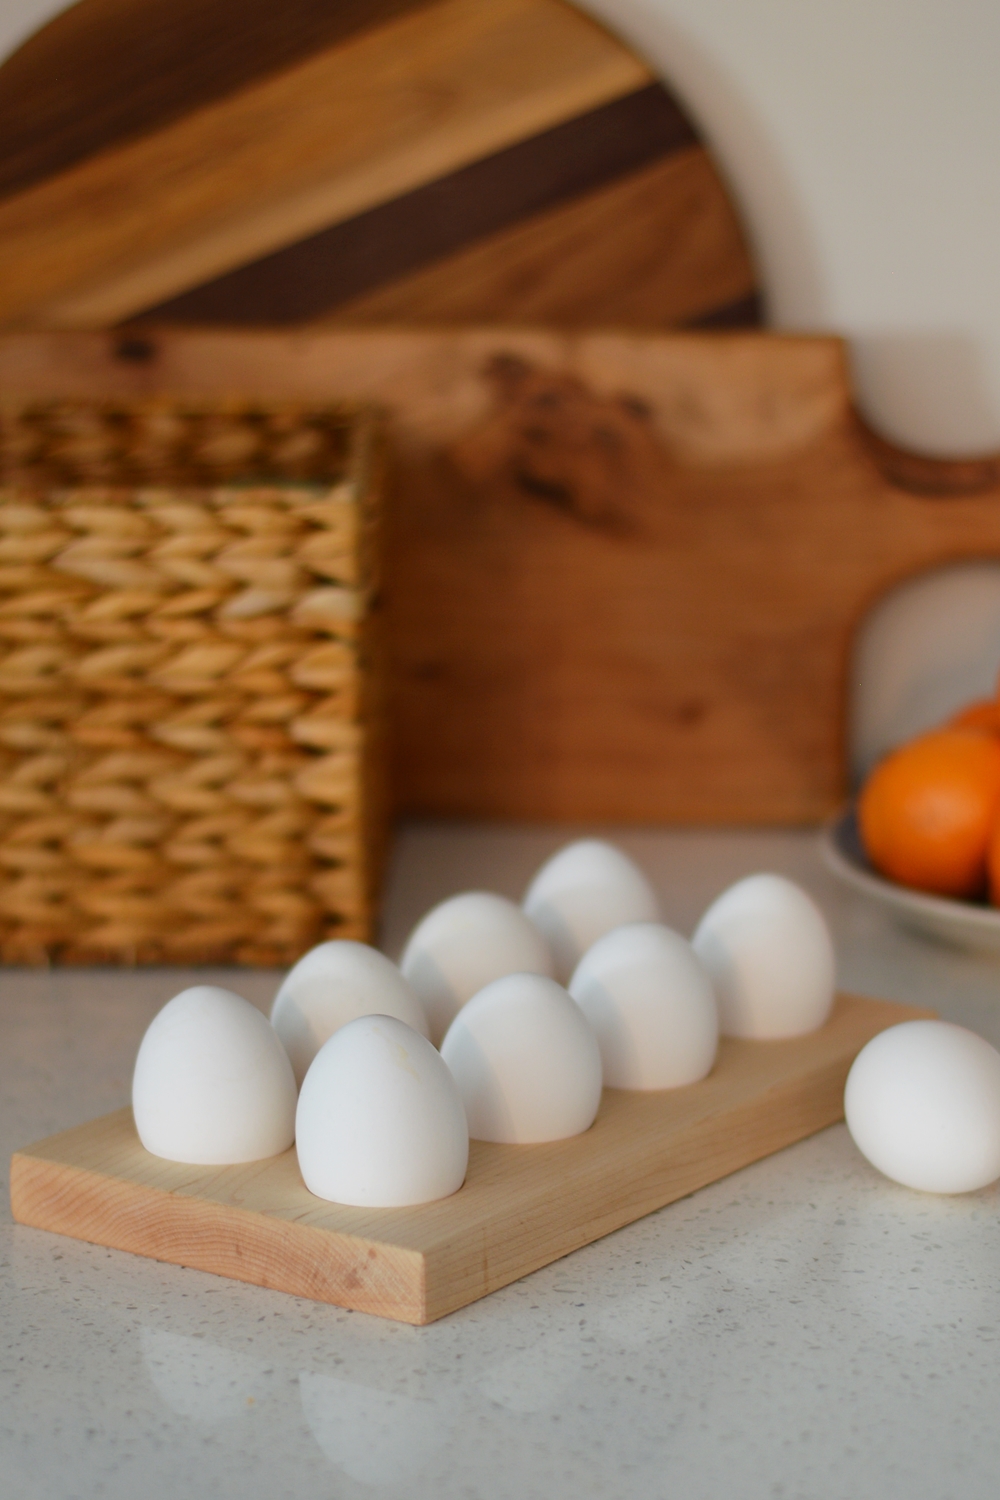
(624, 572)
(520, 1208)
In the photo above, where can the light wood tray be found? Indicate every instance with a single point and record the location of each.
(521, 1207)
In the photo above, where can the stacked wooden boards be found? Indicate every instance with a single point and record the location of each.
(520, 1208)
(624, 573)
(624, 569)
(460, 160)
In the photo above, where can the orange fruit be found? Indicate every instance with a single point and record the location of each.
(983, 714)
(927, 811)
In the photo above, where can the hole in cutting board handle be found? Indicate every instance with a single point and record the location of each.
(935, 478)
(927, 647)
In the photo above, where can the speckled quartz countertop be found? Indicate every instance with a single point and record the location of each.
(801, 1329)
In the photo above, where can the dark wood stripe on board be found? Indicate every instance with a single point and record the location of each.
(655, 249)
(312, 277)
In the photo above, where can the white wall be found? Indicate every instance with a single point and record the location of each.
(19, 18)
(860, 138)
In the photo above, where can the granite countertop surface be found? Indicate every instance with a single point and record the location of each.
(803, 1328)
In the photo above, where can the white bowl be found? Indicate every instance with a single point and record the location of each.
(962, 924)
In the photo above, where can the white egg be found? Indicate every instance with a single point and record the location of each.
(769, 954)
(526, 1062)
(212, 1082)
(923, 1105)
(380, 1123)
(335, 983)
(651, 1006)
(464, 944)
(581, 893)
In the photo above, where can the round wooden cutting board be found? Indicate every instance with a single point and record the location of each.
(354, 162)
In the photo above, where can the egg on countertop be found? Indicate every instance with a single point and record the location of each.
(651, 1006)
(380, 1123)
(335, 983)
(585, 890)
(527, 1065)
(464, 944)
(922, 1103)
(213, 1085)
(769, 954)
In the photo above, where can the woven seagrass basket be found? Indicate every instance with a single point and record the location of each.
(190, 723)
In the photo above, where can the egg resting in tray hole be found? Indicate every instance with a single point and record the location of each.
(213, 1085)
(768, 951)
(380, 1123)
(462, 945)
(586, 889)
(335, 983)
(651, 1005)
(526, 1062)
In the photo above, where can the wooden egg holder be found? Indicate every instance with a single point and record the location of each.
(521, 1206)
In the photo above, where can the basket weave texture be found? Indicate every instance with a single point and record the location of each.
(189, 685)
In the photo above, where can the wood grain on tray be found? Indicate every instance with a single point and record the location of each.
(521, 1207)
(461, 159)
